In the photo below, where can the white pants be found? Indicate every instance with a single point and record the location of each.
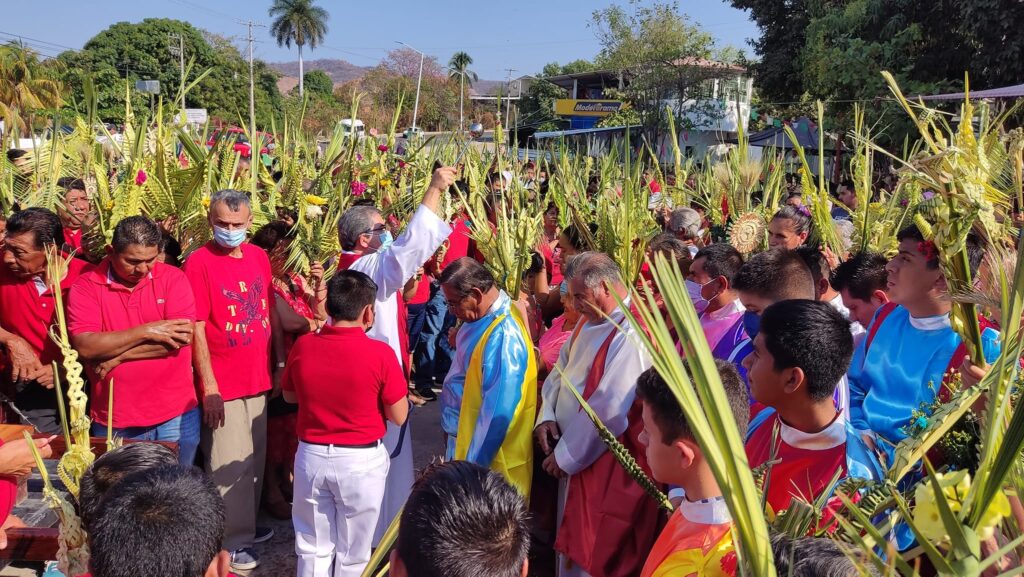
(338, 493)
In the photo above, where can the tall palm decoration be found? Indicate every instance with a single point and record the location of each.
(301, 22)
(24, 88)
(458, 67)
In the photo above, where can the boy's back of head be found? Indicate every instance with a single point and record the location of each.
(721, 259)
(810, 557)
(348, 293)
(817, 264)
(111, 467)
(462, 520)
(860, 275)
(813, 336)
(775, 275)
(652, 389)
(166, 520)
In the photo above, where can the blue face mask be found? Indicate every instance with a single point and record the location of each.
(228, 238)
(751, 323)
(699, 302)
(386, 240)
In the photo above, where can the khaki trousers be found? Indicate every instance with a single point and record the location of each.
(234, 455)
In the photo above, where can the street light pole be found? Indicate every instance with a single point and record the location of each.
(419, 79)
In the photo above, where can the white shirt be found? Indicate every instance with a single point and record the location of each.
(393, 267)
(579, 445)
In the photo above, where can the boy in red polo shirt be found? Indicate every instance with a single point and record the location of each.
(27, 312)
(132, 318)
(346, 384)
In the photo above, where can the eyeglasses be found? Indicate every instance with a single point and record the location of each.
(379, 229)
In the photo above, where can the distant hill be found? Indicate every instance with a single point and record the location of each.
(342, 71)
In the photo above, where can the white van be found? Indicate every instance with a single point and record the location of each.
(352, 127)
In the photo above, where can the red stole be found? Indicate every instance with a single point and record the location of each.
(609, 524)
(345, 261)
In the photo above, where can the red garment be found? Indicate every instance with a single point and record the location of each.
(422, 292)
(99, 303)
(345, 260)
(296, 299)
(233, 299)
(551, 263)
(8, 494)
(610, 523)
(342, 402)
(26, 313)
(282, 443)
(805, 469)
(458, 241)
(73, 239)
(654, 186)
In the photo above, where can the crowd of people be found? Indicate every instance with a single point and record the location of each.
(293, 393)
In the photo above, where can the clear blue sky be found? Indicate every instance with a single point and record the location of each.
(519, 34)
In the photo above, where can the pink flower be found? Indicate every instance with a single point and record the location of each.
(401, 164)
(140, 178)
(359, 157)
(382, 148)
(358, 188)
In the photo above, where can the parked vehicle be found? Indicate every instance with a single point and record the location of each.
(352, 127)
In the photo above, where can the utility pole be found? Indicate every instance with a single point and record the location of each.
(253, 141)
(508, 98)
(179, 51)
(419, 79)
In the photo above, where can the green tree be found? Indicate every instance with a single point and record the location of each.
(458, 67)
(25, 88)
(301, 22)
(319, 83)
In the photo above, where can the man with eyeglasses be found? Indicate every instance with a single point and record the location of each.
(368, 247)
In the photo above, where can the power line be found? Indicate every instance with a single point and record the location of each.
(38, 41)
(206, 9)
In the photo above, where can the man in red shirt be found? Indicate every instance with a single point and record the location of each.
(132, 317)
(27, 313)
(341, 466)
(74, 212)
(231, 281)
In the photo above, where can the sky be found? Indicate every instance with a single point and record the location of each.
(519, 34)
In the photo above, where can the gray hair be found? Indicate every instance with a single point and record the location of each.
(233, 198)
(465, 274)
(595, 269)
(684, 221)
(353, 223)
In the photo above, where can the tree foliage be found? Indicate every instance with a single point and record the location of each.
(319, 83)
(27, 88)
(131, 52)
(299, 22)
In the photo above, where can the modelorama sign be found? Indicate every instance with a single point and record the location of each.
(571, 107)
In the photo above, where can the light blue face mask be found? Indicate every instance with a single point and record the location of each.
(228, 238)
(386, 240)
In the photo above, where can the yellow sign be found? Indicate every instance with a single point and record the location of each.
(570, 107)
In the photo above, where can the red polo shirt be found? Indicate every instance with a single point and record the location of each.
(28, 314)
(342, 380)
(458, 241)
(233, 298)
(98, 303)
(73, 239)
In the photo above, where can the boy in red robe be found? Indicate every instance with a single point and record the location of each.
(697, 539)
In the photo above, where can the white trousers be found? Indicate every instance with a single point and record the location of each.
(338, 494)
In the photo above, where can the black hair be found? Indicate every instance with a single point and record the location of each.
(652, 389)
(364, 202)
(15, 153)
(71, 183)
(721, 259)
(811, 557)
(136, 230)
(463, 520)
(861, 275)
(669, 245)
(111, 467)
(801, 221)
(172, 250)
(272, 233)
(573, 234)
(776, 274)
(536, 264)
(811, 335)
(44, 225)
(163, 521)
(815, 261)
(465, 274)
(348, 293)
(975, 251)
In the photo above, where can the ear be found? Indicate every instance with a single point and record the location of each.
(397, 567)
(803, 236)
(794, 380)
(367, 315)
(688, 451)
(526, 568)
(822, 288)
(940, 284)
(879, 297)
(723, 283)
(220, 566)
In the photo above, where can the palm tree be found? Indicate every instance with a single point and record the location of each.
(298, 21)
(24, 88)
(458, 67)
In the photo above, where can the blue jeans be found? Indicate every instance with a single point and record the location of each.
(183, 430)
(433, 355)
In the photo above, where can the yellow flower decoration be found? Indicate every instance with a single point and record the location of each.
(316, 200)
(374, 170)
(955, 486)
(385, 183)
(206, 202)
(109, 205)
